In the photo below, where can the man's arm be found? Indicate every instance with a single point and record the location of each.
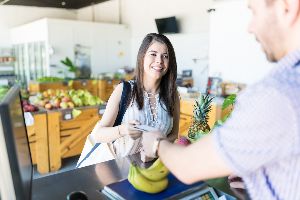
(198, 161)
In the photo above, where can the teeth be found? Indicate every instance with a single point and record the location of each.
(157, 68)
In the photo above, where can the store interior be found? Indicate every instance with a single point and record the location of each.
(86, 48)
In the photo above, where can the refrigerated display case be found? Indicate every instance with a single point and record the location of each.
(30, 61)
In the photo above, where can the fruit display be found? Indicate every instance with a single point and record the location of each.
(3, 91)
(200, 125)
(55, 99)
(27, 107)
(150, 180)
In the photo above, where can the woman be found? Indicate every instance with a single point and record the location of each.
(154, 99)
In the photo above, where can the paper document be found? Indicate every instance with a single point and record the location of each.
(145, 128)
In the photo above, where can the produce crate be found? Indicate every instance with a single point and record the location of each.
(38, 141)
(66, 137)
(35, 87)
(89, 85)
(106, 87)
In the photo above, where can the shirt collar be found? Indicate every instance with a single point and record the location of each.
(292, 59)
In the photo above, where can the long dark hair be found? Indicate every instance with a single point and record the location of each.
(168, 89)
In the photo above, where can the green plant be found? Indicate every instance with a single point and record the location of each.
(69, 64)
(228, 101)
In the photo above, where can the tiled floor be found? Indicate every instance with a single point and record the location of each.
(67, 164)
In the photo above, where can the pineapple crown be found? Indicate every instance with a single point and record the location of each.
(202, 107)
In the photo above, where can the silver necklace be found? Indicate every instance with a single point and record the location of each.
(152, 107)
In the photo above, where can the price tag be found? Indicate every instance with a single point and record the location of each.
(83, 82)
(65, 83)
(29, 120)
(67, 114)
(101, 109)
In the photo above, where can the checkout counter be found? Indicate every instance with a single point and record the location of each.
(90, 180)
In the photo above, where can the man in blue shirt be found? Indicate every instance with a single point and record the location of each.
(260, 142)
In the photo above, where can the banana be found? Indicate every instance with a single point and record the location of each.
(155, 172)
(141, 183)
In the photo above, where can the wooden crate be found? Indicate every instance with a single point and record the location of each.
(66, 137)
(89, 85)
(106, 87)
(38, 142)
(35, 87)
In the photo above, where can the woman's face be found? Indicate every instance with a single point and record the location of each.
(156, 61)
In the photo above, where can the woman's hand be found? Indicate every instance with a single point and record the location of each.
(145, 158)
(130, 130)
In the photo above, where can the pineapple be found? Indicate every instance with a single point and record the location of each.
(201, 109)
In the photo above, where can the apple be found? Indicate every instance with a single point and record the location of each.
(25, 102)
(71, 104)
(63, 105)
(45, 94)
(65, 99)
(57, 102)
(42, 103)
(48, 106)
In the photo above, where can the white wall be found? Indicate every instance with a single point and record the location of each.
(12, 16)
(139, 15)
(234, 52)
(109, 43)
(190, 44)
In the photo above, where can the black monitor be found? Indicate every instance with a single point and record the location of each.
(15, 165)
(167, 25)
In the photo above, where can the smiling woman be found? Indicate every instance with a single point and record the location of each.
(153, 100)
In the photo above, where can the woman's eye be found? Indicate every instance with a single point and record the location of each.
(153, 54)
(166, 57)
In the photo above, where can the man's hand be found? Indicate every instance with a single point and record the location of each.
(128, 129)
(148, 140)
(236, 182)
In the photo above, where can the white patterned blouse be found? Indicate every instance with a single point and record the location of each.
(162, 121)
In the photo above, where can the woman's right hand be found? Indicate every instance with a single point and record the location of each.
(130, 130)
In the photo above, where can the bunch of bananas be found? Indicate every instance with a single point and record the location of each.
(151, 180)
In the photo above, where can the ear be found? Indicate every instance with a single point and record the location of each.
(291, 10)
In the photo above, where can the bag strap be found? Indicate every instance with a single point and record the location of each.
(122, 108)
(123, 102)
(88, 154)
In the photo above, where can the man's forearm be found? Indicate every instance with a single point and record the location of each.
(195, 162)
(170, 155)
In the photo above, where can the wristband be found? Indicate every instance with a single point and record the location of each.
(155, 146)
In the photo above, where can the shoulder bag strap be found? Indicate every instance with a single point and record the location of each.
(122, 108)
(126, 93)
